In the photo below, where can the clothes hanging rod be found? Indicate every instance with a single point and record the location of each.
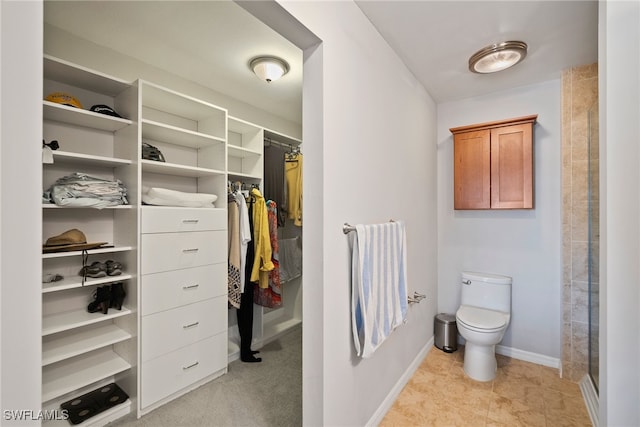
(281, 144)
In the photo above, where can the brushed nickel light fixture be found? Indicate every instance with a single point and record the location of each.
(269, 68)
(497, 57)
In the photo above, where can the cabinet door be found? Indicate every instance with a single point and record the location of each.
(472, 170)
(512, 167)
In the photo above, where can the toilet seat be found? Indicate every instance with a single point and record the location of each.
(481, 319)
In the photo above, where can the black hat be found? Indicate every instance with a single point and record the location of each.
(105, 109)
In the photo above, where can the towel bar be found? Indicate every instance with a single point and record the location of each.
(348, 228)
(416, 298)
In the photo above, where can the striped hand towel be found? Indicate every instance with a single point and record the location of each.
(378, 284)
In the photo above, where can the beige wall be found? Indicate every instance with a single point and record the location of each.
(579, 95)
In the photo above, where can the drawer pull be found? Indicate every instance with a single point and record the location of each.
(190, 221)
(193, 365)
(190, 287)
(191, 325)
(190, 250)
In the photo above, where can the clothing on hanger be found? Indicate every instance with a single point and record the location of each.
(293, 174)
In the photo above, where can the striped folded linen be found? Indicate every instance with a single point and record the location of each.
(378, 284)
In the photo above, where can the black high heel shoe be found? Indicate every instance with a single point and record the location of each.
(101, 301)
(117, 295)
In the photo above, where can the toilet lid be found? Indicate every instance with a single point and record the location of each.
(481, 318)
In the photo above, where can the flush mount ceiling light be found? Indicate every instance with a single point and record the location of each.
(269, 68)
(497, 57)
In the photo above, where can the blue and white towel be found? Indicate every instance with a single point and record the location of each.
(379, 284)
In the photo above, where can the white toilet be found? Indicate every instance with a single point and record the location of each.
(482, 320)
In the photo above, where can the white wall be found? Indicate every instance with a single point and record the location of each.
(373, 159)
(20, 200)
(523, 244)
(619, 83)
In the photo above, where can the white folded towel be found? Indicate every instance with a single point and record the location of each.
(165, 197)
(379, 284)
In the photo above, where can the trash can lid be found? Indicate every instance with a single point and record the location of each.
(446, 318)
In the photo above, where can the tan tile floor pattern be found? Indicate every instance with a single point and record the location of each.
(522, 394)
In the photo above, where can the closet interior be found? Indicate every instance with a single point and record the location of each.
(138, 314)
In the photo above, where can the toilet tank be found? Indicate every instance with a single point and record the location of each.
(486, 290)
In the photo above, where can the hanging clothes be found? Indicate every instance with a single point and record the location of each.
(274, 182)
(245, 234)
(293, 173)
(271, 296)
(245, 312)
(234, 284)
(262, 263)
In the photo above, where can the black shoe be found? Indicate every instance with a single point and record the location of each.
(117, 295)
(101, 300)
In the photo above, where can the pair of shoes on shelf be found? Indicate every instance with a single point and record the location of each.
(108, 296)
(101, 269)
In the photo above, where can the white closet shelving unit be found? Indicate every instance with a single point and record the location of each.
(183, 263)
(82, 351)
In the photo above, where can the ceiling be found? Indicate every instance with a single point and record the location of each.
(211, 42)
(436, 38)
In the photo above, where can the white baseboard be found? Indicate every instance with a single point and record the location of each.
(590, 399)
(527, 356)
(388, 402)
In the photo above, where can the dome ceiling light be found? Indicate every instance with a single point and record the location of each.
(269, 68)
(497, 57)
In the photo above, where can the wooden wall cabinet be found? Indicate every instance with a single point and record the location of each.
(493, 164)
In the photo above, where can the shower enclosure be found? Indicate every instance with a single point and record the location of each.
(593, 245)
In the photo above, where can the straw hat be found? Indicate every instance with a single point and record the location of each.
(70, 240)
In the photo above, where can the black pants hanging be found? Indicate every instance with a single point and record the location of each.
(245, 312)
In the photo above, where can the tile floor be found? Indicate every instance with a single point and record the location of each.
(522, 394)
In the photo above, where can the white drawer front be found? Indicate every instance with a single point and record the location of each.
(172, 251)
(158, 220)
(172, 372)
(163, 291)
(172, 329)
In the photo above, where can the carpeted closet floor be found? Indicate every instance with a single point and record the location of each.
(268, 393)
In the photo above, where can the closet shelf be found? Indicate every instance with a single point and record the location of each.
(161, 132)
(90, 252)
(237, 175)
(76, 75)
(235, 151)
(101, 419)
(64, 321)
(65, 377)
(152, 166)
(76, 282)
(67, 347)
(54, 206)
(69, 158)
(55, 112)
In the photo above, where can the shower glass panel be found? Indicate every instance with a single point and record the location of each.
(594, 246)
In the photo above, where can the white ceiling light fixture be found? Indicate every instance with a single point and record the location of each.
(269, 68)
(498, 57)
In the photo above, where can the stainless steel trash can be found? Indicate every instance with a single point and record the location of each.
(446, 332)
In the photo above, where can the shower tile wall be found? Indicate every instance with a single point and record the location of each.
(579, 95)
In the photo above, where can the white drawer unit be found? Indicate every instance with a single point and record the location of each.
(166, 219)
(170, 289)
(173, 251)
(167, 374)
(182, 326)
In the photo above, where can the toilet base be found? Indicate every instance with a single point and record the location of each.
(480, 361)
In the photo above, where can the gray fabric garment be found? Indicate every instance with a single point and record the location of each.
(290, 255)
(274, 179)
